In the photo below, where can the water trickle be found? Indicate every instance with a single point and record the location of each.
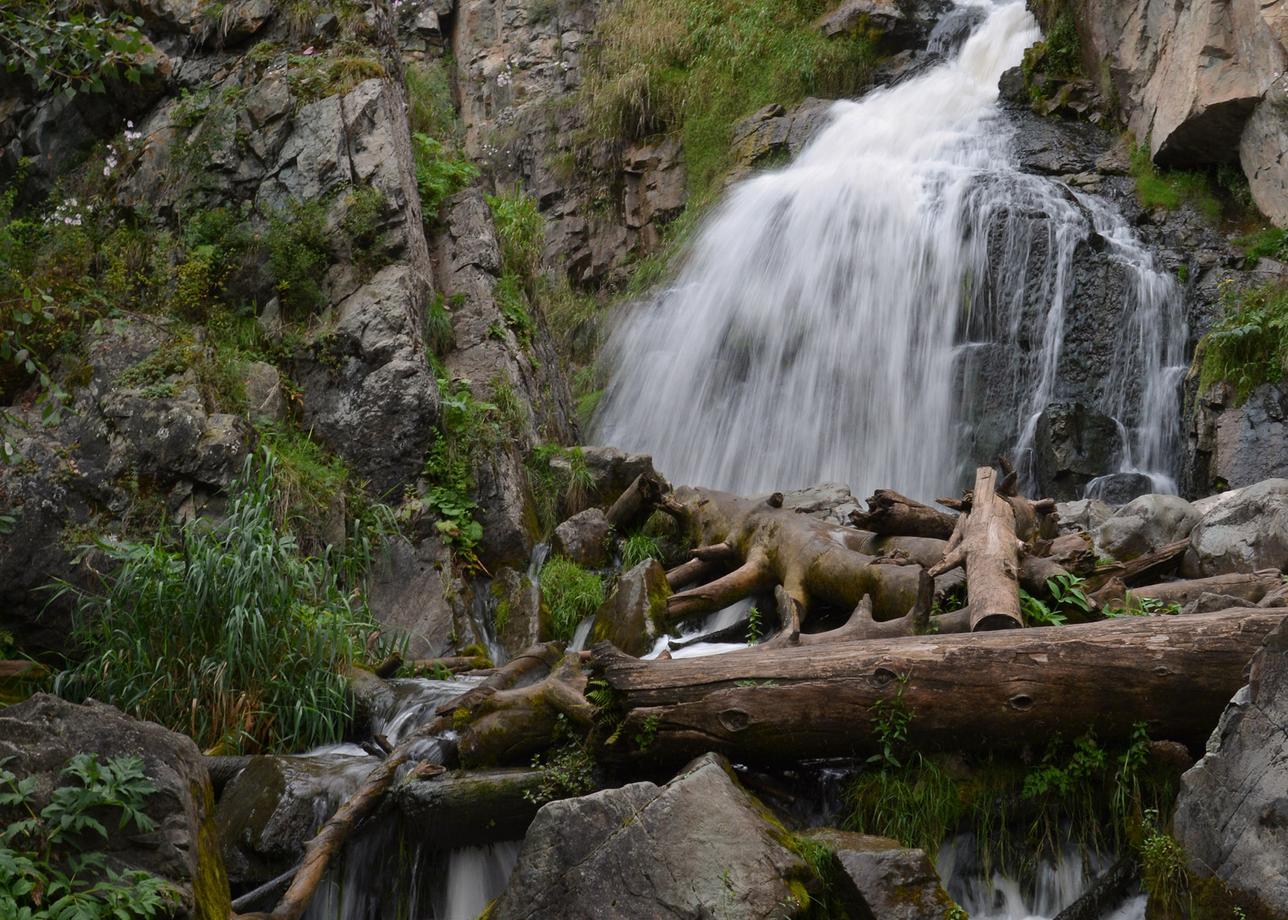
(815, 330)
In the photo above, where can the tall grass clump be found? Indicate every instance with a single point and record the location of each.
(228, 633)
(570, 594)
(694, 67)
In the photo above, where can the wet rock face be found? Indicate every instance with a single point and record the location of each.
(1232, 811)
(694, 847)
(39, 736)
(1246, 443)
(1193, 79)
(1244, 533)
(1073, 445)
(408, 590)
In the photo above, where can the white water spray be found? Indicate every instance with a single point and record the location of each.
(813, 332)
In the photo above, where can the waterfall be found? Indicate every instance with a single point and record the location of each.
(819, 327)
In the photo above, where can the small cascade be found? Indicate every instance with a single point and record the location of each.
(1054, 885)
(474, 876)
(894, 299)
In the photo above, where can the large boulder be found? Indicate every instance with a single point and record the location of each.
(698, 846)
(39, 736)
(1146, 524)
(633, 616)
(583, 538)
(408, 592)
(1247, 532)
(1245, 442)
(1232, 811)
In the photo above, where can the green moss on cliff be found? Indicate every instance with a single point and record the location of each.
(692, 69)
(1248, 345)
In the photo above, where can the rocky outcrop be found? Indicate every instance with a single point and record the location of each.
(518, 64)
(1200, 82)
(1246, 442)
(1245, 533)
(1232, 809)
(698, 846)
(139, 442)
(37, 739)
(410, 591)
(1074, 445)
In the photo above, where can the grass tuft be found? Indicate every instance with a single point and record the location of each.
(570, 594)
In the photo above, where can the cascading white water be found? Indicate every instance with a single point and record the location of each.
(813, 333)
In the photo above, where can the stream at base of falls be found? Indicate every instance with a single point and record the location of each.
(821, 329)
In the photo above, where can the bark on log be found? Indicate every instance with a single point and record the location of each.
(814, 561)
(1251, 587)
(456, 664)
(894, 515)
(1142, 569)
(967, 692)
(984, 542)
(636, 505)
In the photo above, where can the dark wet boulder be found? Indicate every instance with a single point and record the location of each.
(633, 616)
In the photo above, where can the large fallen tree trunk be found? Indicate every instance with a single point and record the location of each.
(984, 542)
(981, 691)
(767, 545)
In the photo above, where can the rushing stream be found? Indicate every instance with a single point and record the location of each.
(820, 329)
(820, 325)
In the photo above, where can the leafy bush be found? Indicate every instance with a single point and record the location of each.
(1268, 243)
(46, 871)
(1081, 790)
(440, 174)
(430, 107)
(570, 594)
(1248, 345)
(70, 46)
(692, 69)
(229, 634)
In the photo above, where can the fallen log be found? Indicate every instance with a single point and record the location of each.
(984, 542)
(816, 562)
(1143, 568)
(964, 692)
(633, 507)
(470, 807)
(1250, 587)
(894, 515)
(454, 664)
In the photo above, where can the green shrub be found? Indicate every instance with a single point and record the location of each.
(68, 46)
(229, 634)
(639, 546)
(332, 73)
(570, 594)
(48, 871)
(1248, 345)
(1019, 813)
(693, 69)
(440, 174)
(430, 107)
(298, 256)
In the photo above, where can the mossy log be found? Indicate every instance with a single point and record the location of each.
(984, 542)
(469, 807)
(1250, 587)
(768, 546)
(982, 691)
